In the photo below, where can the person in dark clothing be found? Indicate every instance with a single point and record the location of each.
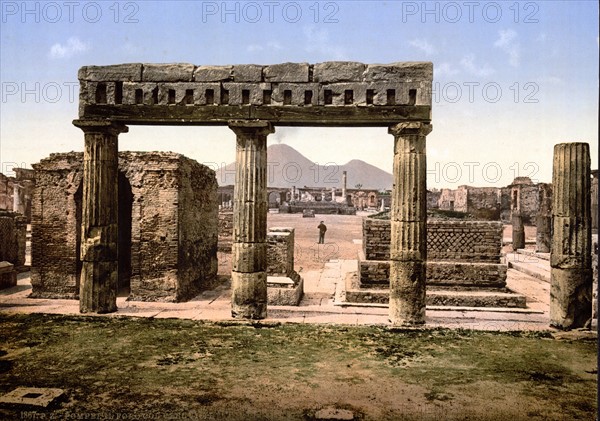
(322, 228)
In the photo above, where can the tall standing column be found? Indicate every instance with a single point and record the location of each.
(249, 251)
(543, 222)
(570, 256)
(518, 230)
(408, 246)
(99, 225)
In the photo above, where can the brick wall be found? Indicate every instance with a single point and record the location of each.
(167, 219)
(13, 229)
(475, 241)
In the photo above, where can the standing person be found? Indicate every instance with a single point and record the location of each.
(322, 229)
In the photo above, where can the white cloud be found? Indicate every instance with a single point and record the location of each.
(468, 63)
(71, 47)
(423, 45)
(317, 41)
(509, 44)
(270, 46)
(444, 69)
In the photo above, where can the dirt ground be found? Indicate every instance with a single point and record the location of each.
(167, 369)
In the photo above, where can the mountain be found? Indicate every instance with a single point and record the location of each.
(286, 167)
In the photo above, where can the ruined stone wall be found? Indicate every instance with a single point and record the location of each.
(13, 229)
(433, 197)
(225, 229)
(461, 199)
(55, 226)
(474, 241)
(446, 199)
(484, 203)
(167, 219)
(6, 192)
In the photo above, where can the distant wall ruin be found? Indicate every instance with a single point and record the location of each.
(167, 217)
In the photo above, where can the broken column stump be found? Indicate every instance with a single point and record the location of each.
(518, 231)
(100, 216)
(408, 245)
(570, 257)
(249, 249)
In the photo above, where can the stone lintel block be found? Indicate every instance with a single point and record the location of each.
(249, 295)
(249, 257)
(338, 93)
(172, 72)
(181, 97)
(213, 73)
(338, 71)
(130, 72)
(287, 72)
(247, 73)
(298, 93)
(202, 89)
(236, 97)
(399, 72)
(129, 89)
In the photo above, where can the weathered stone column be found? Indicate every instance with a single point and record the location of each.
(543, 222)
(570, 257)
(99, 225)
(408, 246)
(518, 231)
(248, 276)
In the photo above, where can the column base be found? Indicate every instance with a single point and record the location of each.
(570, 298)
(407, 293)
(249, 295)
(98, 291)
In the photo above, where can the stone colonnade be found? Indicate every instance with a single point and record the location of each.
(99, 249)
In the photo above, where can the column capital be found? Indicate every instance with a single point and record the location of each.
(101, 126)
(245, 127)
(410, 128)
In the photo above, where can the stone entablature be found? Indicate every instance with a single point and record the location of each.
(329, 93)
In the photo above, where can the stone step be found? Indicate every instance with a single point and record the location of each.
(437, 297)
(529, 265)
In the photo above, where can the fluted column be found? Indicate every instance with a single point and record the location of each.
(543, 222)
(408, 246)
(99, 225)
(248, 276)
(570, 256)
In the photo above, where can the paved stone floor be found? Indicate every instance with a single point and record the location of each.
(321, 304)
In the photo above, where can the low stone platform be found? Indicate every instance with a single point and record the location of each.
(284, 291)
(490, 297)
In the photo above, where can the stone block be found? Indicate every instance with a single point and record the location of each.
(213, 73)
(130, 88)
(297, 91)
(399, 72)
(130, 72)
(337, 93)
(173, 72)
(287, 72)
(338, 71)
(247, 73)
(236, 93)
(284, 291)
(8, 276)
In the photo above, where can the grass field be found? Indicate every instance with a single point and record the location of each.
(126, 368)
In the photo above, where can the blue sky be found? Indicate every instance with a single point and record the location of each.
(511, 79)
